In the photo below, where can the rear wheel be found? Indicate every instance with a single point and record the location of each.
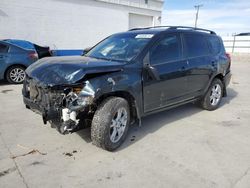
(211, 100)
(15, 74)
(110, 123)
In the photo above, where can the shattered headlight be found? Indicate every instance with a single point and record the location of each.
(80, 96)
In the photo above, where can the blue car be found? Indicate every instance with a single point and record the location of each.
(42, 51)
(16, 56)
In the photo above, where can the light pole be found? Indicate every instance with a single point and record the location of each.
(197, 7)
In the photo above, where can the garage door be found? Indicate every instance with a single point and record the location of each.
(137, 20)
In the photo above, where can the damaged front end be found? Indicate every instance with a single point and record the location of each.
(66, 107)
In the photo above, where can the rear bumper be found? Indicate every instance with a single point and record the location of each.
(227, 78)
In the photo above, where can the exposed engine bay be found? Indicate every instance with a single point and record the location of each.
(66, 107)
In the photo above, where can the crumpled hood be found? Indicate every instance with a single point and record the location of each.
(53, 71)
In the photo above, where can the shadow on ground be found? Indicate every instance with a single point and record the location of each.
(6, 90)
(3, 82)
(154, 122)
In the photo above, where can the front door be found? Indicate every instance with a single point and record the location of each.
(165, 57)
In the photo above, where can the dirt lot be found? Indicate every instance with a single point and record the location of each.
(183, 147)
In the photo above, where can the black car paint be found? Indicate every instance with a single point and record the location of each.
(149, 94)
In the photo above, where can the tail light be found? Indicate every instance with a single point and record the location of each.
(33, 55)
(228, 56)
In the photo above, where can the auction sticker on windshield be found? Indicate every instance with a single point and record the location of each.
(144, 36)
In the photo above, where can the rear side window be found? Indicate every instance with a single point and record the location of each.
(214, 44)
(3, 48)
(168, 49)
(196, 45)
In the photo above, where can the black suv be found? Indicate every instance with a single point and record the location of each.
(127, 76)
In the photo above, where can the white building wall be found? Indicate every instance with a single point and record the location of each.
(241, 44)
(67, 24)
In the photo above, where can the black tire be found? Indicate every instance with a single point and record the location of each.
(102, 120)
(206, 102)
(20, 76)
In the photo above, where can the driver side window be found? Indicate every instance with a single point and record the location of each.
(168, 49)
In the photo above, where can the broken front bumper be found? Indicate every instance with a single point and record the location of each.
(41, 101)
(47, 113)
(63, 107)
(62, 119)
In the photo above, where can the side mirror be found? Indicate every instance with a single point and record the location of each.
(151, 70)
(86, 50)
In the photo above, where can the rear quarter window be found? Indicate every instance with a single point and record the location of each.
(3, 48)
(195, 45)
(215, 44)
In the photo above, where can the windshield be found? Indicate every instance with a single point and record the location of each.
(122, 47)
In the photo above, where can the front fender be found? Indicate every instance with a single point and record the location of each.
(123, 81)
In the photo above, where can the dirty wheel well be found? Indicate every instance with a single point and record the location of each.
(126, 95)
(219, 76)
(5, 73)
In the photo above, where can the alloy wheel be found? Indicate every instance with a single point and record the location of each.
(118, 125)
(17, 75)
(215, 95)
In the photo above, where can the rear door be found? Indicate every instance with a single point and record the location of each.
(165, 57)
(200, 62)
(3, 58)
(3, 51)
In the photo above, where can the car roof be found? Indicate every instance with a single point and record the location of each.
(21, 43)
(160, 29)
(13, 45)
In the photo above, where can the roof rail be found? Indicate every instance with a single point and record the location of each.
(176, 27)
(148, 28)
(192, 28)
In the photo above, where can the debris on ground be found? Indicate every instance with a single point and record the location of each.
(235, 82)
(70, 154)
(132, 139)
(30, 152)
(5, 172)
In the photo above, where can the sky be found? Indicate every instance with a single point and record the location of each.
(224, 17)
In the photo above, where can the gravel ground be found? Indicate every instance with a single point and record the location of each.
(182, 147)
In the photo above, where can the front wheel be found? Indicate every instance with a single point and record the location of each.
(15, 74)
(211, 100)
(110, 123)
